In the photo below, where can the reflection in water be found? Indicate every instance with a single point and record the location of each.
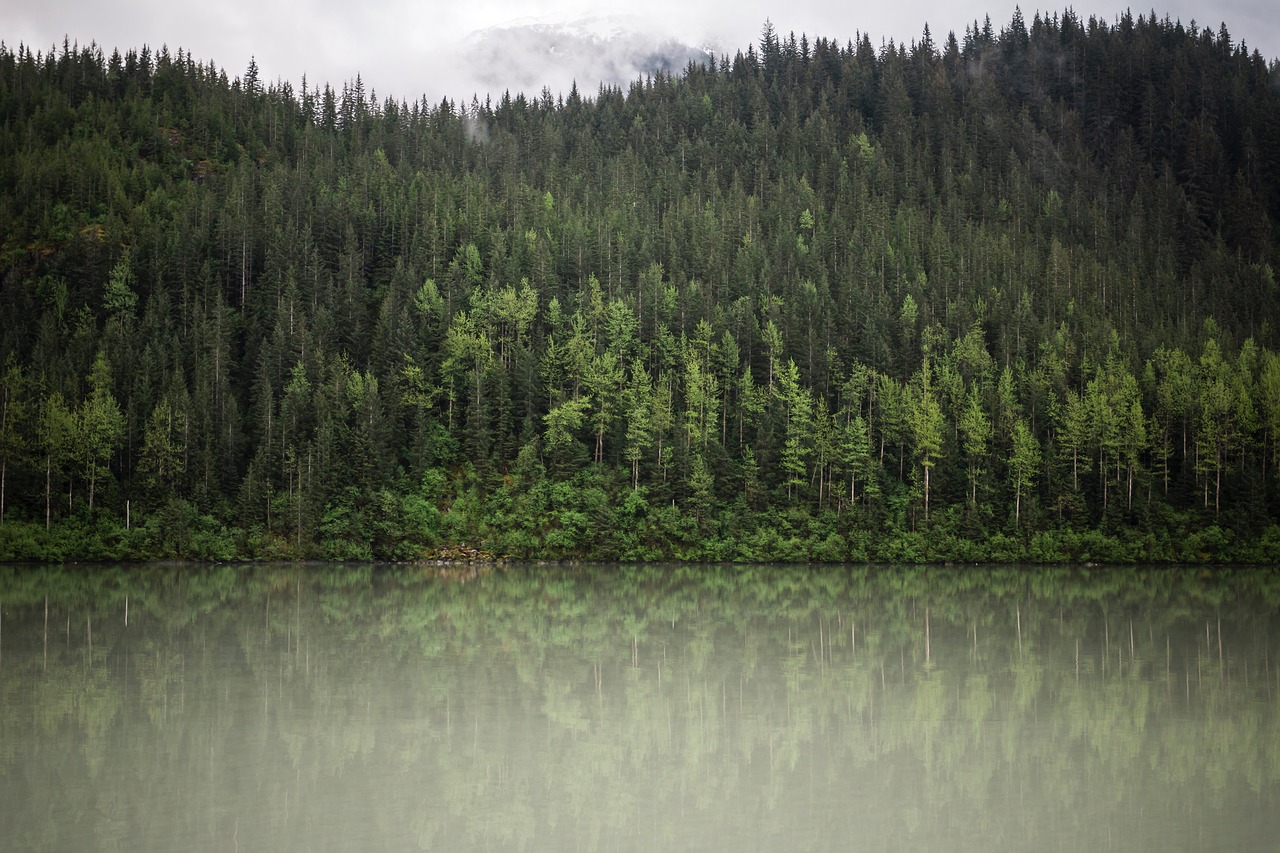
(639, 708)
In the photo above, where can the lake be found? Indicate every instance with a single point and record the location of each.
(595, 708)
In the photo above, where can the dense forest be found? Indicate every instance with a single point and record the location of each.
(1008, 296)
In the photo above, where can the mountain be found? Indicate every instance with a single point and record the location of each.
(528, 55)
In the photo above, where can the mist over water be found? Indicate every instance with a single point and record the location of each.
(639, 708)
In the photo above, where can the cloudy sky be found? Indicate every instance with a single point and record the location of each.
(410, 48)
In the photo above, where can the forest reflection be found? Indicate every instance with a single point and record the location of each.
(639, 707)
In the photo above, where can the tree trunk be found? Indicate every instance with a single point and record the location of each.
(1217, 489)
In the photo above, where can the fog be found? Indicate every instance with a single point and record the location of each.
(407, 49)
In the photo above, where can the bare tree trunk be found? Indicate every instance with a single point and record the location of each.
(1217, 489)
(926, 515)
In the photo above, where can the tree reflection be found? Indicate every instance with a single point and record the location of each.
(639, 707)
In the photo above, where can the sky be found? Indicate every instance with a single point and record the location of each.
(408, 49)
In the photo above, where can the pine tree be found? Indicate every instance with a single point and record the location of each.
(56, 435)
(99, 426)
(797, 404)
(14, 414)
(160, 462)
(926, 427)
(975, 431)
(1023, 465)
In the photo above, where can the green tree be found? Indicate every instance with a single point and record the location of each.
(467, 350)
(118, 298)
(1214, 430)
(797, 405)
(1075, 435)
(56, 434)
(639, 411)
(513, 314)
(1133, 429)
(826, 449)
(926, 427)
(604, 381)
(1023, 465)
(1269, 392)
(975, 432)
(908, 320)
(160, 463)
(860, 462)
(99, 426)
(702, 397)
(560, 439)
(701, 489)
(14, 413)
(662, 419)
(1175, 398)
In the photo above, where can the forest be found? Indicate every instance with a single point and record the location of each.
(1008, 296)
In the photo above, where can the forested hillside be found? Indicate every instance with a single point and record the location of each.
(1005, 296)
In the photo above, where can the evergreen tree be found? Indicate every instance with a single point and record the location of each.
(1023, 465)
(926, 427)
(975, 429)
(14, 414)
(832, 275)
(99, 426)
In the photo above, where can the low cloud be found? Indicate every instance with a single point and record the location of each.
(528, 58)
(408, 48)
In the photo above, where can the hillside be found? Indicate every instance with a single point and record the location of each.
(1006, 296)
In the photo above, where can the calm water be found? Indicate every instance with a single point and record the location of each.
(639, 708)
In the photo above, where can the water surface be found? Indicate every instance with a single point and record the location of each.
(639, 708)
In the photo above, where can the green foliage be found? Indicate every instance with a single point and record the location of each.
(99, 426)
(816, 304)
